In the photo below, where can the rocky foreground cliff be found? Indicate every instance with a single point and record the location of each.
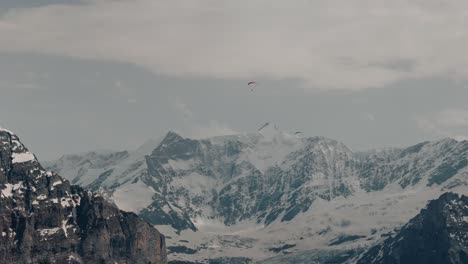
(44, 219)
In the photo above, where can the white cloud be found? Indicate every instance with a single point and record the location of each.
(369, 117)
(132, 101)
(212, 129)
(23, 86)
(125, 92)
(448, 123)
(197, 130)
(328, 44)
(183, 110)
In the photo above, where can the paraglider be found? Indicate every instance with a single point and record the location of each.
(251, 84)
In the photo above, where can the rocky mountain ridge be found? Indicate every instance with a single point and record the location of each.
(45, 219)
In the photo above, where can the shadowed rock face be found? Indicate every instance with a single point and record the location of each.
(44, 219)
(438, 235)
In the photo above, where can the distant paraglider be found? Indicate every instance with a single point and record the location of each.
(251, 84)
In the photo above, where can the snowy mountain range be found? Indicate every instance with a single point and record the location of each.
(260, 194)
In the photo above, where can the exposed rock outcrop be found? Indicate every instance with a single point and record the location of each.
(44, 219)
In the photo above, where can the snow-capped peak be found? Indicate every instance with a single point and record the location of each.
(6, 130)
(19, 153)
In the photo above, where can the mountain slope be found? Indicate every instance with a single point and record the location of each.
(439, 234)
(44, 219)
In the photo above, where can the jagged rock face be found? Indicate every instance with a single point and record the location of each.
(265, 176)
(261, 177)
(44, 219)
(438, 235)
(434, 162)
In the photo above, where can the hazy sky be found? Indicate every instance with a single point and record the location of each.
(110, 74)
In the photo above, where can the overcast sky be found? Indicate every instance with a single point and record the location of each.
(110, 74)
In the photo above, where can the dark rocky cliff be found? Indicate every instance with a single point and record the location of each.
(44, 219)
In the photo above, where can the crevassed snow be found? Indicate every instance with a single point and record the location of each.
(22, 157)
(133, 197)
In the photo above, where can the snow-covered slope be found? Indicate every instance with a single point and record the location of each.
(103, 168)
(439, 234)
(248, 195)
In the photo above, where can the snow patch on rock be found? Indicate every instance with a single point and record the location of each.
(9, 188)
(22, 157)
(57, 183)
(49, 231)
